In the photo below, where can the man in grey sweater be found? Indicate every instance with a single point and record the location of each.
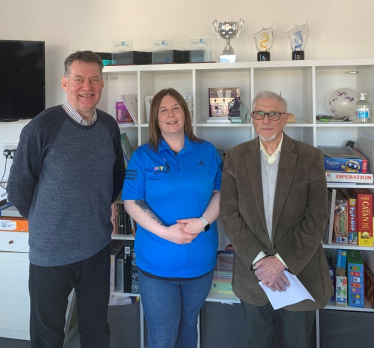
(67, 171)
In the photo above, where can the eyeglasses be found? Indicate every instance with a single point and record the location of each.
(272, 115)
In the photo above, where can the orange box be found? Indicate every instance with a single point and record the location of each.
(16, 224)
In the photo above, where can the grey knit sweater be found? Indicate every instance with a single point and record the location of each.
(64, 178)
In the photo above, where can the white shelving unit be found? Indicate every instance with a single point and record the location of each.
(306, 85)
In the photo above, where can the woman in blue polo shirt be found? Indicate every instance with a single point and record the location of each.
(171, 190)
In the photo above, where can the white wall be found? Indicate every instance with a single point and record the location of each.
(338, 29)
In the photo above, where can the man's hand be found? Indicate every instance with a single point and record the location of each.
(269, 270)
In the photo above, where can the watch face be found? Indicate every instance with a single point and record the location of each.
(207, 227)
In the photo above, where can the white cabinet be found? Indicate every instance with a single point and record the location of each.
(306, 85)
(14, 289)
(14, 292)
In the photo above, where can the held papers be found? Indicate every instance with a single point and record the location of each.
(295, 293)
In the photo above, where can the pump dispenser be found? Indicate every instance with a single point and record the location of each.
(362, 109)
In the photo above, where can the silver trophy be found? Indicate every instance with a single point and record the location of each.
(228, 30)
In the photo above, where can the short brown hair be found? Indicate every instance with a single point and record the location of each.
(83, 56)
(154, 127)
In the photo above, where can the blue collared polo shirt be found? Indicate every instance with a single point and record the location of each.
(175, 187)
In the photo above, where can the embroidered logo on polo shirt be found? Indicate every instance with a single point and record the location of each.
(162, 169)
(201, 163)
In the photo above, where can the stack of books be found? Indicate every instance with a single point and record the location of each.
(124, 276)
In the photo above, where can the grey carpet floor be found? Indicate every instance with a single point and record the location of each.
(9, 343)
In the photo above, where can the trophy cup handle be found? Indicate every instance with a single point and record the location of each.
(241, 25)
(216, 27)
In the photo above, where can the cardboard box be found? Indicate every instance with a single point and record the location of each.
(341, 262)
(355, 272)
(14, 224)
(352, 221)
(341, 291)
(369, 284)
(344, 159)
(340, 231)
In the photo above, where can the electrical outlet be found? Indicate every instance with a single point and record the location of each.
(9, 147)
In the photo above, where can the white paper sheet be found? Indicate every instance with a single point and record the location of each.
(295, 293)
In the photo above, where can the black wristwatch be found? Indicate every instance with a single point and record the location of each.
(205, 223)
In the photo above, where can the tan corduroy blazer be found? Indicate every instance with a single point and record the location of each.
(299, 218)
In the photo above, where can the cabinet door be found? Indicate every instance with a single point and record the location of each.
(14, 295)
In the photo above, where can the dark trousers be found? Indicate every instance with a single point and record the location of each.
(49, 290)
(296, 327)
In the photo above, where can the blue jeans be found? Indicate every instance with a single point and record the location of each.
(171, 309)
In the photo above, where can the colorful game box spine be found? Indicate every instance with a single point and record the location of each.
(352, 221)
(364, 215)
(341, 291)
(341, 221)
(356, 293)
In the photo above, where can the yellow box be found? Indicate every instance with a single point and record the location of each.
(365, 240)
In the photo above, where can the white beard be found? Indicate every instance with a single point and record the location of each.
(267, 139)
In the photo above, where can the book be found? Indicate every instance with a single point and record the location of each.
(364, 215)
(127, 148)
(119, 272)
(127, 267)
(131, 103)
(113, 218)
(330, 224)
(122, 114)
(116, 247)
(147, 104)
(344, 159)
(134, 274)
(133, 226)
(362, 178)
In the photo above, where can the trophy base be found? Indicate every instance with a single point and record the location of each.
(263, 56)
(298, 55)
(227, 58)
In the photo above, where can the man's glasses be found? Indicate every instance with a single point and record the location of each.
(272, 115)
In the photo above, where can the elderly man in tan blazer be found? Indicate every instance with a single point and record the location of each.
(274, 210)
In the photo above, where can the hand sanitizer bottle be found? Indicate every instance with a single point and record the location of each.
(362, 110)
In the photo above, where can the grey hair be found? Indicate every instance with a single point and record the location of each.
(83, 56)
(269, 95)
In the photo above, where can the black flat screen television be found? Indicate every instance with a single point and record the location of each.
(22, 79)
